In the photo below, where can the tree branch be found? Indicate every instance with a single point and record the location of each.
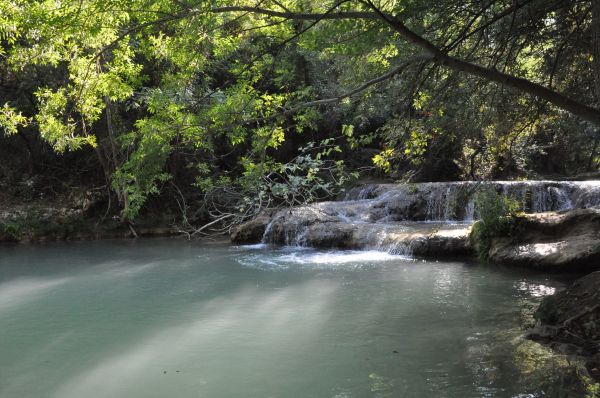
(366, 85)
(397, 70)
(466, 34)
(298, 16)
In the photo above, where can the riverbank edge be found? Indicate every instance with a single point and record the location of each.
(35, 224)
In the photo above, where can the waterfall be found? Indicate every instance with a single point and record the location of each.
(380, 215)
(470, 210)
(453, 201)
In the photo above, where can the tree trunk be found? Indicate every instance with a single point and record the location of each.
(596, 45)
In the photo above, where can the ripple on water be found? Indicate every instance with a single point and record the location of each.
(257, 246)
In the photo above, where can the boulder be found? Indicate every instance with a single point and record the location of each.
(307, 225)
(564, 241)
(443, 242)
(569, 321)
(329, 235)
(251, 231)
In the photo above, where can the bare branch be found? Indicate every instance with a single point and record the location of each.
(465, 34)
(218, 220)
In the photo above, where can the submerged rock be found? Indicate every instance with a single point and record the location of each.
(563, 241)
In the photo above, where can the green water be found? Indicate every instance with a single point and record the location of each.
(168, 318)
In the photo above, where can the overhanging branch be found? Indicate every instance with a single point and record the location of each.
(298, 16)
(397, 70)
(526, 86)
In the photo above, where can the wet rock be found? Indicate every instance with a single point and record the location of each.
(568, 240)
(329, 235)
(251, 231)
(307, 225)
(453, 242)
(569, 321)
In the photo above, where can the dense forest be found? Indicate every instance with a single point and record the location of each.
(220, 109)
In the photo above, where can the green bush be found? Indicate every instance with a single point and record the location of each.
(496, 214)
(9, 231)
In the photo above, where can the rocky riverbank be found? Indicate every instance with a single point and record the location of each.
(557, 241)
(569, 322)
(562, 241)
(390, 218)
(41, 221)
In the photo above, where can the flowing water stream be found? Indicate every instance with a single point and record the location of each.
(454, 201)
(169, 318)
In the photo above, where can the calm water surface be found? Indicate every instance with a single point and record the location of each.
(168, 318)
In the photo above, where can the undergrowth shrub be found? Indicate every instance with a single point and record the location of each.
(496, 213)
(9, 231)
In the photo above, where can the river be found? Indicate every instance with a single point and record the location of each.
(171, 318)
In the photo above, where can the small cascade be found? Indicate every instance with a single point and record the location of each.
(454, 201)
(563, 201)
(291, 235)
(361, 193)
(437, 203)
(294, 236)
(384, 237)
(470, 210)
(346, 217)
(267, 236)
(400, 247)
(290, 226)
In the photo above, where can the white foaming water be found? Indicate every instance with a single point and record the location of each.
(535, 289)
(453, 201)
(291, 257)
(257, 246)
(340, 257)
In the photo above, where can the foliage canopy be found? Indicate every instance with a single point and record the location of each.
(220, 93)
